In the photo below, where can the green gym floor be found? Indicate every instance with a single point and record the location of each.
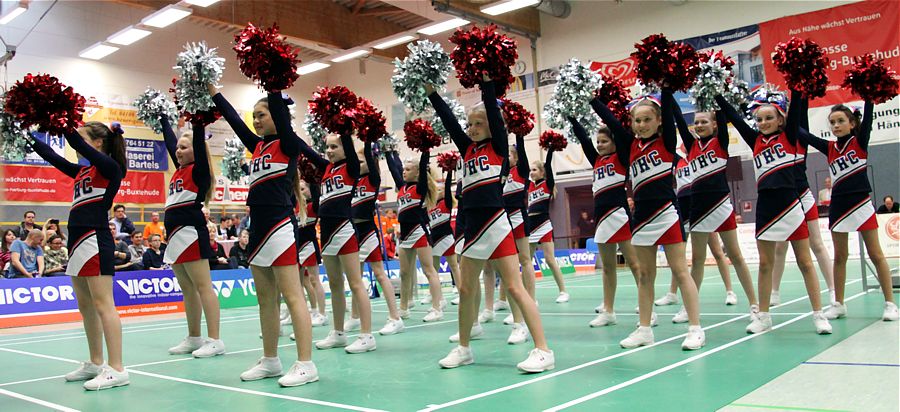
(789, 368)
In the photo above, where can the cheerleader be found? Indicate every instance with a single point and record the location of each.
(488, 233)
(416, 191)
(441, 231)
(650, 151)
(610, 212)
(92, 248)
(851, 208)
(541, 189)
(188, 248)
(273, 242)
(779, 214)
(310, 257)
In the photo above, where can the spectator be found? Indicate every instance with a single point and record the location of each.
(56, 257)
(825, 194)
(631, 204)
(124, 225)
(136, 250)
(153, 257)
(27, 225)
(51, 227)
(889, 206)
(27, 257)
(236, 222)
(245, 221)
(240, 255)
(585, 228)
(229, 228)
(121, 254)
(155, 227)
(9, 236)
(219, 261)
(390, 244)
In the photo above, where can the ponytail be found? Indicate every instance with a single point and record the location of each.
(113, 141)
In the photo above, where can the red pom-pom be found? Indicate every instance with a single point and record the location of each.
(448, 161)
(671, 64)
(335, 108)
(519, 121)
(870, 79)
(804, 66)
(617, 97)
(266, 58)
(552, 141)
(43, 101)
(370, 122)
(484, 51)
(308, 170)
(716, 55)
(204, 118)
(420, 136)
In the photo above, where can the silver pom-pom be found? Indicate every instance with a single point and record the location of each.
(715, 79)
(13, 139)
(575, 87)
(458, 110)
(152, 105)
(232, 159)
(648, 89)
(388, 143)
(427, 63)
(315, 131)
(197, 66)
(737, 92)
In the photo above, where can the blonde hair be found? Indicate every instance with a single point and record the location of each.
(431, 199)
(648, 103)
(540, 166)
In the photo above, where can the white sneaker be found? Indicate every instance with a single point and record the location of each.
(351, 325)
(775, 298)
(426, 300)
(108, 378)
(603, 319)
(519, 334)
(642, 336)
(300, 373)
(669, 299)
(637, 309)
(188, 345)
(508, 320)
(455, 301)
(287, 320)
(264, 368)
(477, 333)
(284, 313)
(823, 327)
(890, 312)
(433, 315)
(562, 298)
(730, 298)
(654, 321)
(293, 337)
(86, 371)
(404, 314)
(486, 316)
(500, 305)
(457, 357)
(832, 295)
(392, 327)
(210, 349)
(836, 311)
(538, 361)
(318, 319)
(761, 323)
(443, 304)
(335, 339)
(695, 339)
(364, 343)
(599, 308)
(681, 316)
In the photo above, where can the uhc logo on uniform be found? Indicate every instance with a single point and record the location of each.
(646, 162)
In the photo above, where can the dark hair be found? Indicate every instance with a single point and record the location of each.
(155, 235)
(137, 232)
(883, 200)
(52, 238)
(29, 211)
(113, 141)
(117, 207)
(854, 116)
(3, 246)
(605, 130)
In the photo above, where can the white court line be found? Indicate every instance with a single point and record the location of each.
(679, 363)
(32, 380)
(37, 401)
(600, 286)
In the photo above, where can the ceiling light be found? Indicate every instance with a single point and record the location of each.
(443, 26)
(98, 51)
(15, 12)
(312, 67)
(395, 42)
(128, 35)
(201, 3)
(351, 55)
(506, 6)
(166, 16)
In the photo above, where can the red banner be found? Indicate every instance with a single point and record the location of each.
(622, 70)
(844, 32)
(35, 184)
(142, 187)
(238, 194)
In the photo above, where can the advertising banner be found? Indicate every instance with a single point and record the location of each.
(58, 143)
(35, 184)
(143, 154)
(142, 187)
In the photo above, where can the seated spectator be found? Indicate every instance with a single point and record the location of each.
(27, 257)
(155, 227)
(136, 250)
(51, 227)
(56, 257)
(825, 194)
(390, 244)
(27, 225)
(222, 228)
(9, 236)
(122, 256)
(889, 206)
(153, 257)
(124, 225)
(229, 228)
(240, 254)
(245, 221)
(219, 261)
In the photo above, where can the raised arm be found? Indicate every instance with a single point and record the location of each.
(522, 164)
(422, 183)
(610, 120)
(686, 136)
(372, 164)
(792, 123)
(396, 168)
(499, 135)
(669, 134)
(104, 164)
(60, 163)
(281, 116)
(448, 190)
(314, 193)
(864, 130)
(548, 172)
(169, 138)
(457, 134)
(201, 172)
(351, 156)
(317, 159)
(809, 139)
(747, 133)
(248, 138)
(586, 145)
(722, 129)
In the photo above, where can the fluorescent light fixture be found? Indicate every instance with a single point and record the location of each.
(387, 44)
(166, 16)
(506, 6)
(16, 12)
(351, 55)
(201, 3)
(97, 51)
(312, 67)
(443, 26)
(128, 36)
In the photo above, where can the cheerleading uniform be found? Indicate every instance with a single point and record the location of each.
(851, 208)
(539, 194)
(460, 221)
(610, 200)
(488, 233)
(515, 192)
(779, 214)
(655, 220)
(362, 209)
(90, 243)
(439, 222)
(309, 254)
(188, 234)
(273, 170)
(411, 196)
(806, 197)
(683, 181)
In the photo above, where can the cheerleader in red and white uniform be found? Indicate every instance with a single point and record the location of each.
(310, 256)
(441, 230)
(541, 190)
